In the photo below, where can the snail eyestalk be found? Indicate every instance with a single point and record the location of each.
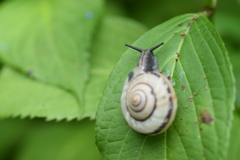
(138, 49)
(153, 48)
(141, 50)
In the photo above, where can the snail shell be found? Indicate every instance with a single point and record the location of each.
(148, 100)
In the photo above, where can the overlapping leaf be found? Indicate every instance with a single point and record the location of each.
(40, 140)
(59, 141)
(24, 97)
(12, 131)
(49, 40)
(204, 83)
(42, 100)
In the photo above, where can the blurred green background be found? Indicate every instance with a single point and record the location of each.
(35, 138)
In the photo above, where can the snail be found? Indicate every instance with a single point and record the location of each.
(148, 100)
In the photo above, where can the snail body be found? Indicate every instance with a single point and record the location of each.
(148, 100)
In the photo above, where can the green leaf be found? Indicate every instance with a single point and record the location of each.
(228, 27)
(39, 140)
(49, 40)
(203, 82)
(234, 147)
(154, 12)
(24, 97)
(235, 58)
(108, 46)
(60, 141)
(12, 131)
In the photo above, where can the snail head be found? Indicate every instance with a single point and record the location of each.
(147, 61)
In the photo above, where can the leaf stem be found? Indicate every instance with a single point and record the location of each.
(211, 3)
(210, 6)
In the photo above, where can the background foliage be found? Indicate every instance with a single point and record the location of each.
(56, 57)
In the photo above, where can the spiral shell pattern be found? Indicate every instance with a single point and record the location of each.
(148, 102)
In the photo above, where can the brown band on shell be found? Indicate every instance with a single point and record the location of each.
(153, 73)
(166, 118)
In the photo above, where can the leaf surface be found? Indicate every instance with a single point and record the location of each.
(59, 141)
(24, 97)
(233, 151)
(49, 40)
(12, 132)
(235, 58)
(203, 81)
(102, 61)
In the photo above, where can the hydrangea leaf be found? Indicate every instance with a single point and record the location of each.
(196, 59)
(50, 40)
(24, 97)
